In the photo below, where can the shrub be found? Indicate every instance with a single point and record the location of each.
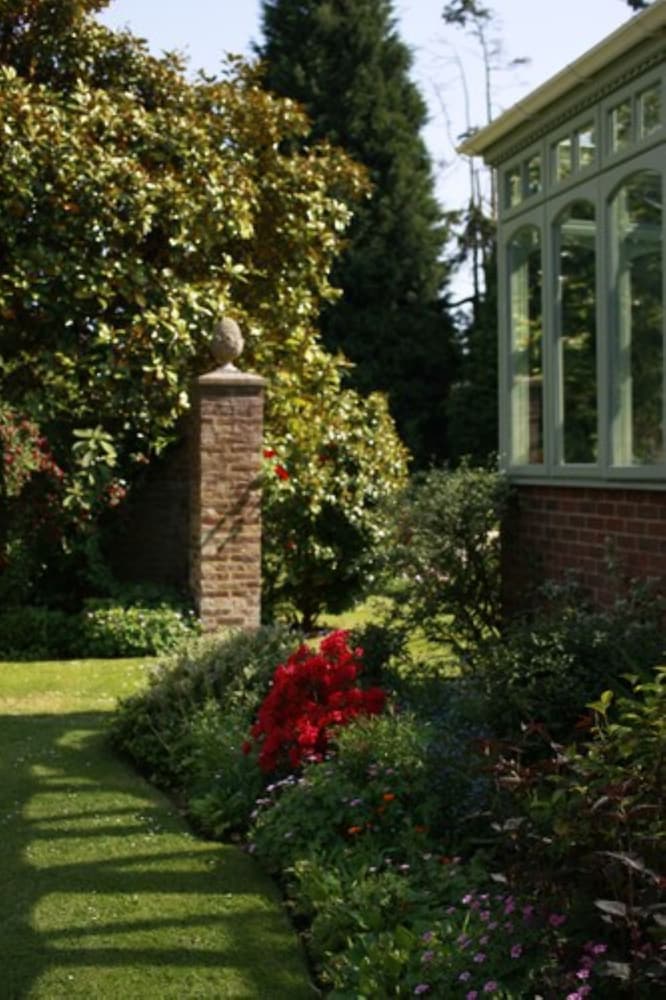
(110, 630)
(310, 694)
(324, 514)
(369, 796)
(590, 819)
(38, 634)
(102, 629)
(156, 726)
(547, 667)
(446, 553)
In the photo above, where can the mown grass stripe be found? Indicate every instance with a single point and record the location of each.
(105, 890)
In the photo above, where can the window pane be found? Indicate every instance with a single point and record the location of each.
(637, 400)
(649, 103)
(577, 330)
(533, 169)
(526, 348)
(563, 158)
(514, 187)
(586, 145)
(621, 126)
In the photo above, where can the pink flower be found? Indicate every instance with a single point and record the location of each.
(556, 919)
(516, 951)
(490, 987)
(472, 995)
(479, 957)
(465, 977)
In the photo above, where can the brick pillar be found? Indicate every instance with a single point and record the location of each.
(225, 558)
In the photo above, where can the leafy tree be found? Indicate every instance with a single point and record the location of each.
(135, 208)
(346, 64)
(638, 4)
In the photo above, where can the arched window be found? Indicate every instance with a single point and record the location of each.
(575, 326)
(526, 339)
(637, 352)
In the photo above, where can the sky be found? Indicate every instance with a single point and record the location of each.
(548, 33)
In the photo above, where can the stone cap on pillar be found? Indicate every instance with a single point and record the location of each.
(227, 345)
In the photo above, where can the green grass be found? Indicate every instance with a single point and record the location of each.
(106, 893)
(438, 659)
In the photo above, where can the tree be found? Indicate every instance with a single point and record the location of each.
(638, 4)
(346, 64)
(135, 208)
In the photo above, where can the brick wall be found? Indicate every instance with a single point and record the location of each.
(225, 554)
(148, 537)
(551, 530)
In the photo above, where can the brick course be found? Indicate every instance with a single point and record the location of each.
(555, 531)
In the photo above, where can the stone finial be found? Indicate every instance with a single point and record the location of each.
(227, 342)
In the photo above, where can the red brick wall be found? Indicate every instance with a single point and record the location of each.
(552, 530)
(225, 553)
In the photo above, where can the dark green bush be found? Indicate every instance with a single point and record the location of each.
(39, 634)
(446, 553)
(547, 667)
(102, 629)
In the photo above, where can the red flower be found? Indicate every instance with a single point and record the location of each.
(281, 472)
(312, 693)
(269, 453)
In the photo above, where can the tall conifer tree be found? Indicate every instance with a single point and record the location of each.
(344, 61)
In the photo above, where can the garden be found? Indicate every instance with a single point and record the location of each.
(423, 795)
(488, 822)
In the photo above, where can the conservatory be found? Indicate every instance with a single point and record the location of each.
(580, 166)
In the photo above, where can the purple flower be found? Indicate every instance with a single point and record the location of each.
(427, 956)
(510, 905)
(599, 949)
(485, 916)
(583, 974)
(516, 950)
(467, 898)
(421, 988)
(556, 919)
(479, 957)
(484, 939)
(528, 912)
(427, 935)
(490, 987)
(472, 995)
(465, 977)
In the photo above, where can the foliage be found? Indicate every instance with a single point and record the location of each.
(391, 320)
(546, 667)
(136, 207)
(368, 797)
(323, 501)
(590, 818)
(446, 552)
(311, 694)
(157, 727)
(102, 629)
(30, 496)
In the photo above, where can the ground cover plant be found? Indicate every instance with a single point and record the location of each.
(106, 890)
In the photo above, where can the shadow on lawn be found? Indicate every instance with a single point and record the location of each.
(98, 873)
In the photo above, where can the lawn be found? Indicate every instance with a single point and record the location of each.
(106, 891)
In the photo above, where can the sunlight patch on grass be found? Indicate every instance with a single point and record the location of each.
(106, 891)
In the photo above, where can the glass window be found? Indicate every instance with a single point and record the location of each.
(526, 347)
(533, 174)
(514, 187)
(620, 118)
(637, 306)
(563, 158)
(649, 110)
(576, 305)
(586, 145)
